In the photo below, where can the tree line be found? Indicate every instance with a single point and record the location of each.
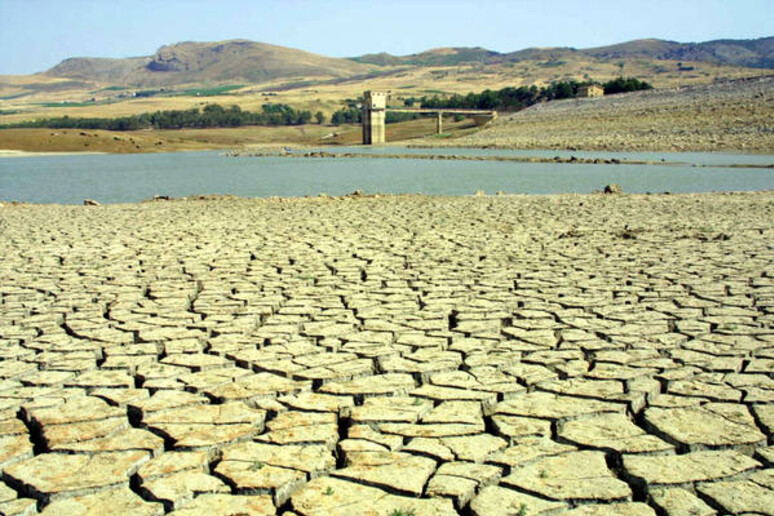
(212, 115)
(506, 99)
(514, 99)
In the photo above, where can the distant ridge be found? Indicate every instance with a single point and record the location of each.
(448, 56)
(241, 61)
(752, 53)
(194, 62)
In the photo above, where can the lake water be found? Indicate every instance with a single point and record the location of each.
(69, 179)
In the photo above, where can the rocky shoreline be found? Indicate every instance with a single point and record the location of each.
(318, 154)
(382, 355)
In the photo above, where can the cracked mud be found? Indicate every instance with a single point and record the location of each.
(573, 354)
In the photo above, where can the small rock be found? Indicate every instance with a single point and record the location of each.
(613, 188)
(90, 202)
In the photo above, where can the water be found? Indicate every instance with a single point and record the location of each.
(130, 178)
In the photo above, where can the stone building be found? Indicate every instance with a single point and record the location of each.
(593, 90)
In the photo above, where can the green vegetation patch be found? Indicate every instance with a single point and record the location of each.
(514, 99)
(213, 115)
(210, 92)
(66, 104)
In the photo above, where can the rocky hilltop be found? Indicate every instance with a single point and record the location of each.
(192, 62)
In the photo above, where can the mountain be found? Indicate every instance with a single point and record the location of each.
(753, 53)
(193, 62)
(542, 54)
(447, 56)
(112, 71)
(247, 62)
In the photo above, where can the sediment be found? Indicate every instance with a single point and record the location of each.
(377, 355)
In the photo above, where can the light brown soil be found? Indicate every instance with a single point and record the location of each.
(367, 355)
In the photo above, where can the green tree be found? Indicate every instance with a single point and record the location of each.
(319, 117)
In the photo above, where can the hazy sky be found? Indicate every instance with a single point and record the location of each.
(37, 34)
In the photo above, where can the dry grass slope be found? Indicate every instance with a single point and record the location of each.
(731, 116)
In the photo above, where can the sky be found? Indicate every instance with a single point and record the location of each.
(37, 34)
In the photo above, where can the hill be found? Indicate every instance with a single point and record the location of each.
(753, 53)
(192, 62)
(733, 115)
(447, 56)
(249, 62)
(249, 74)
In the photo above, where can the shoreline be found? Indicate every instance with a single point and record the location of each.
(458, 157)
(10, 153)
(248, 149)
(359, 195)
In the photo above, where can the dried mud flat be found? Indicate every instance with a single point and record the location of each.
(577, 354)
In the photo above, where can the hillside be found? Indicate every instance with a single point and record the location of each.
(753, 53)
(249, 74)
(447, 56)
(191, 62)
(733, 115)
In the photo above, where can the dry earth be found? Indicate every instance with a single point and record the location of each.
(143, 141)
(727, 116)
(577, 354)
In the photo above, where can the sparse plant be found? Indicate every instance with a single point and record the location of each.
(257, 465)
(403, 512)
(543, 473)
(523, 510)
(328, 491)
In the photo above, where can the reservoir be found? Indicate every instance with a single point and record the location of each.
(69, 179)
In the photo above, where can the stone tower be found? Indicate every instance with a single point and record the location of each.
(374, 106)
